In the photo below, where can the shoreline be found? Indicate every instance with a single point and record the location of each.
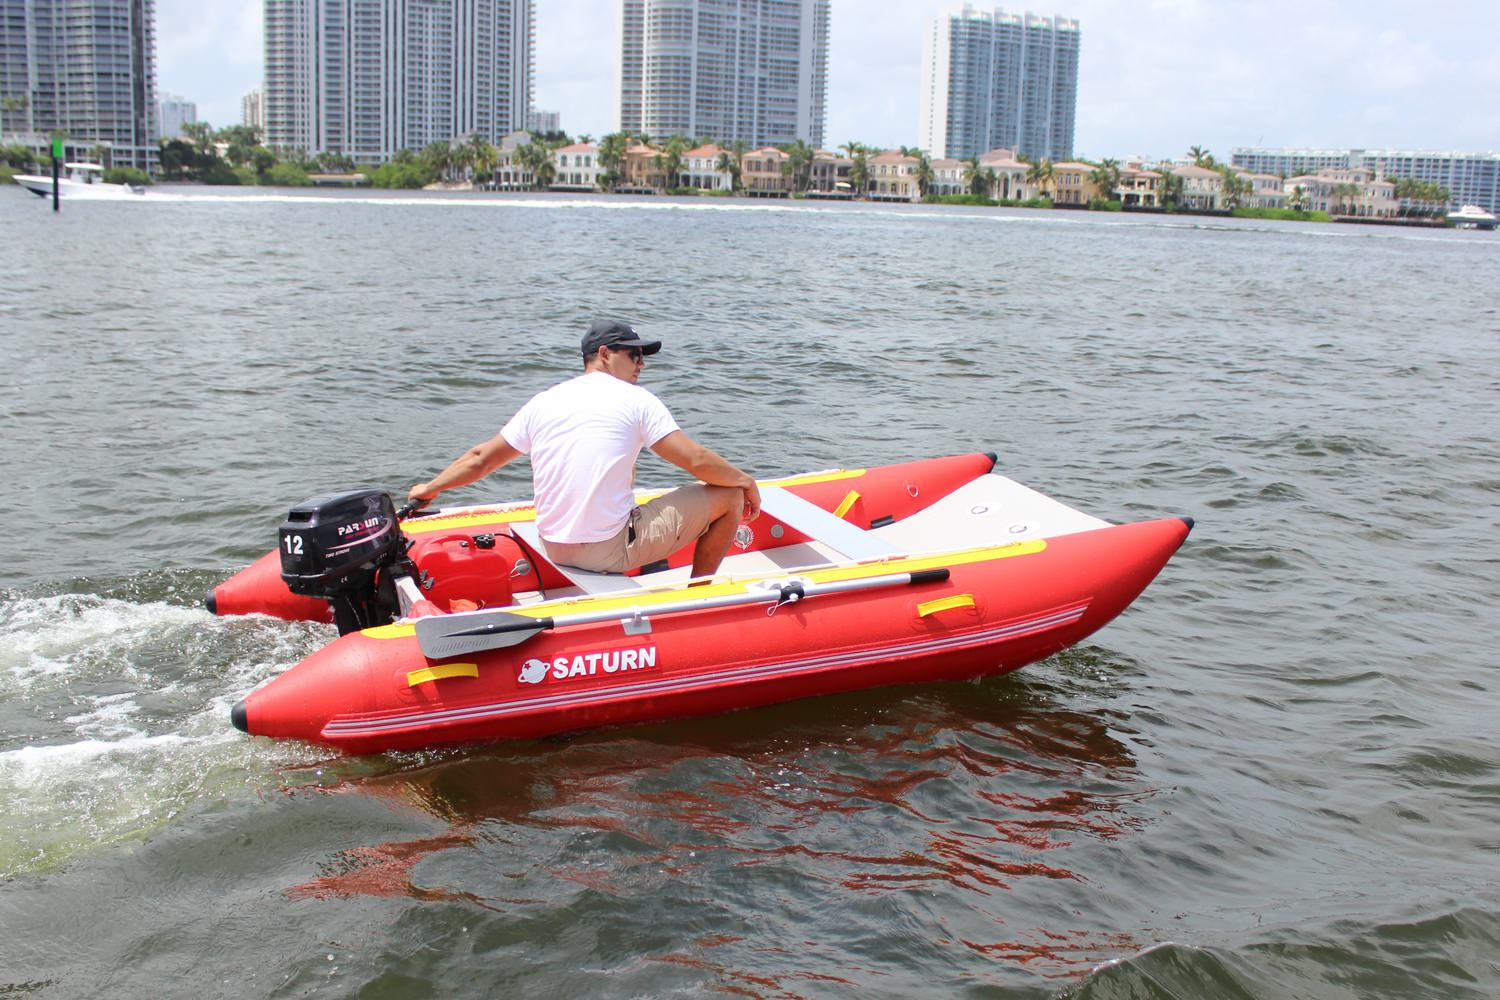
(191, 190)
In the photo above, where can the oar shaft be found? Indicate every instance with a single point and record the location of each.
(767, 596)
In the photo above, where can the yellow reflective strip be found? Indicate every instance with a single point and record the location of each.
(846, 503)
(458, 522)
(441, 672)
(945, 604)
(831, 476)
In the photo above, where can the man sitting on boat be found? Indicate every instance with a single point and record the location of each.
(583, 437)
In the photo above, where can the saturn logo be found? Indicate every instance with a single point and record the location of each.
(533, 671)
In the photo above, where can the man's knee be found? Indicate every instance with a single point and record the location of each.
(727, 501)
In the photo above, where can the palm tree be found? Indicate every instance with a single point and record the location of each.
(859, 174)
(669, 160)
(437, 157)
(536, 157)
(612, 157)
(989, 180)
(973, 174)
(460, 159)
(1043, 175)
(19, 102)
(1233, 185)
(481, 155)
(1345, 193)
(1170, 192)
(1106, 177)
(924, 174)
(1201, 157)
(1298, 200)
(798, 165)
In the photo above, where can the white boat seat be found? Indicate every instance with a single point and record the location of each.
(849, 540)
(585, 580)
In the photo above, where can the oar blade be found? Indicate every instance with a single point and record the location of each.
(442, 636)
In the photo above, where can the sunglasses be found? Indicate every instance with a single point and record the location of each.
(634, 352)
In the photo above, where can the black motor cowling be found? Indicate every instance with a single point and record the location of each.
(343, 548)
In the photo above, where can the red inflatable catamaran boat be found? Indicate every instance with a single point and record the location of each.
(455, 627)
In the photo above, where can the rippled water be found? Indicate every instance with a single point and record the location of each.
(1276, 776)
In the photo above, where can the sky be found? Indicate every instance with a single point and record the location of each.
(1155, 76)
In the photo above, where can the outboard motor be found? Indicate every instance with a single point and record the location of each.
(346, 549)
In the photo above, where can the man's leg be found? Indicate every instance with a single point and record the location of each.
(703, 516)
(728, 502)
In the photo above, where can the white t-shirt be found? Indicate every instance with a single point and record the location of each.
(583, 437)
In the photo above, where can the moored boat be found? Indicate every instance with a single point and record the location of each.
(455, 627)
(1472, 217)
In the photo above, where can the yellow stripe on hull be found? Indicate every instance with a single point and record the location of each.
(645, 598)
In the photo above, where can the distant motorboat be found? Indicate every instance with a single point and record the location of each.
(83, 180)
(1472, 217)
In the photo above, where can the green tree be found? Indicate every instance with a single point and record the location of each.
(859, 173)
(1234, 186)
(482, 157)
(437, 157)
(1170, 190)
(239, 141)
(612, 158)
(924, 174)
(728, 164)
(669, 161)
(1201, 157)
(797, 167)
(126, 175)
(18, 156)
(1043, 175)
(8, 108)
(262, 160)
(974, 176)
(288, 175)
(1106, 176)
(201, 135)
(218, 172)
(1345, 193)
(406, 172)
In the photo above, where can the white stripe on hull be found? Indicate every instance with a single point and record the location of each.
(474, 713)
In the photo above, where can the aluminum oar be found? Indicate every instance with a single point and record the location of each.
(444, 636)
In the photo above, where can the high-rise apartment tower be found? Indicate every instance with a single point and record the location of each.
(749, 70)
(993, 80)
(82, 68)
(365, 78)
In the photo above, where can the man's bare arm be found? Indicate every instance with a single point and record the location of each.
(472, 466)
(709, 466)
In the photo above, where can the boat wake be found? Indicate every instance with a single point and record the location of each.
(112, 718)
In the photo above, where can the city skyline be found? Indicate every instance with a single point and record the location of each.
(365, 79)
(998, 81)
(1154, 79)
(725, 70)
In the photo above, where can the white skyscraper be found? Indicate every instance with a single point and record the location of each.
(175, 113)
(85, 69)
(752, 70)
(365, 78)
(253, 110)
(992, 80)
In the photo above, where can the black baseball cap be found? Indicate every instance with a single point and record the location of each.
(613, 333)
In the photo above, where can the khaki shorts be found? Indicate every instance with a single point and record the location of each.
(653, 532)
